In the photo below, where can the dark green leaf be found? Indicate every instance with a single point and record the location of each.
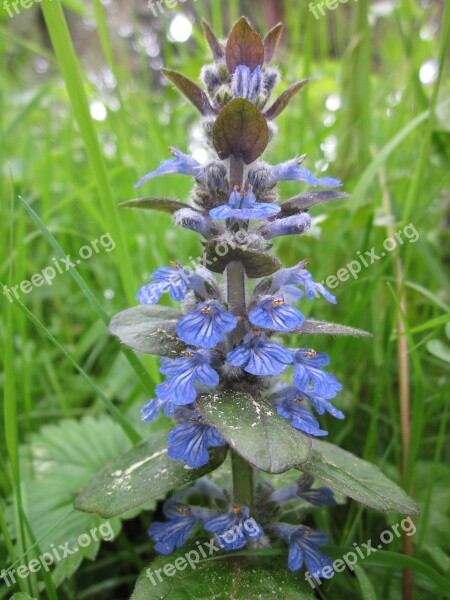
(217, 49)
(256, 264)
(324, 328)
(240, 130)
(255, 430)
(149, 329)
(168, 205)
(237, 578)
(280, 103)
(141, 474)
(306, 200)
(357, 479)
(244, 47)
(270, 42)
(190, 89)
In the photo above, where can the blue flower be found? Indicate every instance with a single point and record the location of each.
(183, 372)
(310, 377)
(244, 206)
(290, 405)
(295, 225)
(246, 83)
(321, 405)
(298, 275)
(204, 327)
(302, 488)
(259, 356)
(174, 279)
(273, 313)
(173, 534)
(235, 528)
(292, 170)
(303, 543)
(153, 407)
(180, 164)
(190, 441)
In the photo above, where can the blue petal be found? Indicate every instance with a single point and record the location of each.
(300, 418)
(294, 225)
(222, 523)
(151, 409)
(270, 314)
(169, 536)
(260, 357)
(180, 164)
(187, 442)
(291, 170)
(321, 405)
(205, 326)
(296, 557)
(179, 389)
(151, 292)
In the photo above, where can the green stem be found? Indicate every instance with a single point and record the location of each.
(243, 473)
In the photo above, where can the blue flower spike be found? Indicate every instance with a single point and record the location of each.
(206, 326)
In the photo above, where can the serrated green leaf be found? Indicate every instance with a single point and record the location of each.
(311, 327)
(304, 201)
(240, 130)
(244, 47)
(149, 329)
(255, 430)
(191, 91)
(358, 479)
(270, 42)
(141, 474)
(237, 578)
(280, 103)
(256, 264)
(168, 205)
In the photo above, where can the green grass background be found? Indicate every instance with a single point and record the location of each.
(63, 175)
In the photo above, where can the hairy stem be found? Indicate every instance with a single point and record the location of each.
(243, 473)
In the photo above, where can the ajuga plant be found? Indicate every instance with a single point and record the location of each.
(231, 385)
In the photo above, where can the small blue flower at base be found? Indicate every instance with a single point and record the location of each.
(303, 543)
(289, 405)
(258, 356)
(302, 488)
(310, 377)
(234, 529)
(174, 534)
(322, 406)
(295, 225)
(181, 163)
(153, 407)
(292, 170)
(244, 207)
(189, 441)
(247, 83)
(273, 313)
(174, 279)
(206, 325)
(299, 275)
(193, 366)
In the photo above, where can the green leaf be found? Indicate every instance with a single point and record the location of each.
(270, 42)
(439, 349)
(304, 201)
(280, 103)
(357, 479)
(21, 596)
(255, 430)
(168, 205)
(216, 47)
(191, 91)
(244, 47)
(256, 264)
(240, 130)
(141, 474)
(149, 329)
(324, 328)
(237, 578)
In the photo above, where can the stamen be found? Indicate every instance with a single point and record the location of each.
(310, 353)
(206, 310)
(236, 508)
(184, 511)
(174, 264)
(187, 354)
(278, 302)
